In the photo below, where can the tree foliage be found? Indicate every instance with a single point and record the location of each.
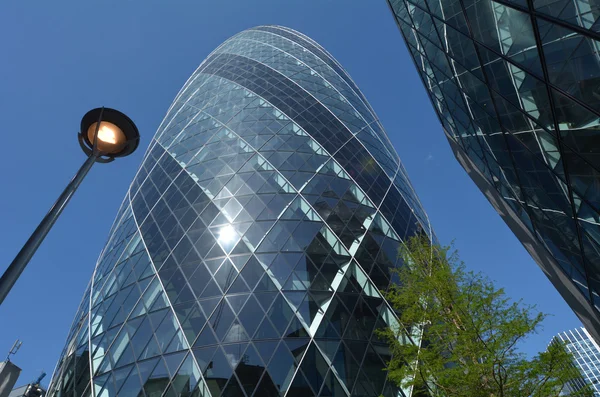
(466, 333)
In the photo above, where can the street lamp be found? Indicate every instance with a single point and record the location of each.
(105, 134)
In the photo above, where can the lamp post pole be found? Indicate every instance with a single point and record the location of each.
(105, 134)
(14, 270)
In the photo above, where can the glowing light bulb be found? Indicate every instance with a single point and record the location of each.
(107, 134)
(110, 137)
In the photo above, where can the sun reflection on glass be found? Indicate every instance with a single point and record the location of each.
(227, 234)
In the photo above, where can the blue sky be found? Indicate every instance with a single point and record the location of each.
(60, 59)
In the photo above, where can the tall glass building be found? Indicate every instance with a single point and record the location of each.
(586, 355)
(516, 86)
(249, 252)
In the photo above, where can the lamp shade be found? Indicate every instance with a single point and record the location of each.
(117, 134)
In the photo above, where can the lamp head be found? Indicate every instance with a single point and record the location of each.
(108, 132)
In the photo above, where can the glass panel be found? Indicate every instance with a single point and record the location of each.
(572, 62)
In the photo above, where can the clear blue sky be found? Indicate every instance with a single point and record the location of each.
(60, 59)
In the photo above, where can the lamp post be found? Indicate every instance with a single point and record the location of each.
(105, 135)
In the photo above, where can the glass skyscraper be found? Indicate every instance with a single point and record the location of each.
(516, 86)
(249, 252)
(586, 355)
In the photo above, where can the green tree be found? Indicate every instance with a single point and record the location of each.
(465, 333)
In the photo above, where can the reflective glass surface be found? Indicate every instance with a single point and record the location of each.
(586, 357)
(248, 256)
(516, 85)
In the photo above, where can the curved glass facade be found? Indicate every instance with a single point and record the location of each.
(516, 85)
(586, 356)
(249, 252)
